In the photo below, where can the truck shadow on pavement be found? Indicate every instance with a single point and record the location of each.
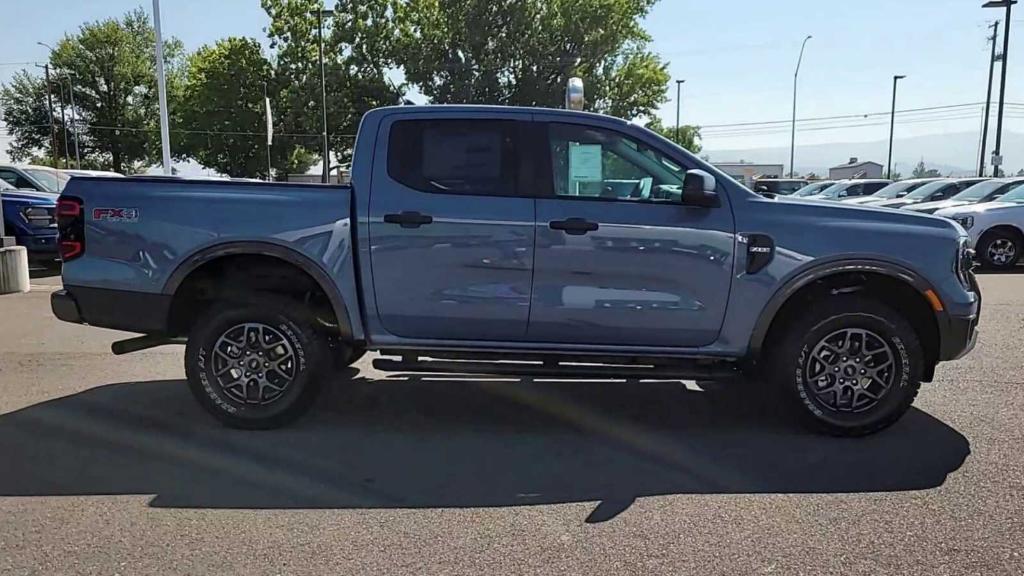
(410, 441)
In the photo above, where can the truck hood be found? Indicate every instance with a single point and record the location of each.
(862, 200)
(859, 216)
(933, 207)
(985, 208)
(32, 197)
(896, 203)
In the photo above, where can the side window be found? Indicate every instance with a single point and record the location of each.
(946, 192)
(851, 191)
(873, 187)
(455, 156)
(16, 180)
(594, 162)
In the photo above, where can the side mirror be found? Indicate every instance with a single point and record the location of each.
(699, 190)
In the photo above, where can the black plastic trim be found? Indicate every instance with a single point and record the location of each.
(141, 312)
(266, 249)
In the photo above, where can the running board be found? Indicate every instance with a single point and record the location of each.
(561, 367)
(142, 343)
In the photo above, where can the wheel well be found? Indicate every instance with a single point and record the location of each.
(895, 293)
(246, 277)
(1007, 228)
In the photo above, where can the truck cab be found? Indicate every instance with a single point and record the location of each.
(483, 239)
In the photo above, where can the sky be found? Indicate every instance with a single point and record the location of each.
(737, 58)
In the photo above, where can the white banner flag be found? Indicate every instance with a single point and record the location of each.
(270, 124)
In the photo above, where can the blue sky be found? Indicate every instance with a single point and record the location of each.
(737, 57)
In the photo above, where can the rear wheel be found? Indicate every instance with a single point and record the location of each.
(254, 366)
(1000, 249)
(850, 366)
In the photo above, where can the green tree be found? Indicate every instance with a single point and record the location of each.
(522, 52)
(358, 50)
(689, 136)
(224, 92)
(896, 177)
(113, 70)
(920, 171)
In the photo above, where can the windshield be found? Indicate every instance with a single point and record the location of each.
(896, 190)
(811, 189)
(983, 189)
(53, 181)
(834, 190)
(928, 189)
(5, 186)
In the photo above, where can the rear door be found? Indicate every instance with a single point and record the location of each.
(619, 259)
(451, 227)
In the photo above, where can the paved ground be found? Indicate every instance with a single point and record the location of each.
(107, 466)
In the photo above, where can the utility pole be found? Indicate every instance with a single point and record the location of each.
(679, 104)
(270, 133)
(988, 98)
(53, 129)
(892, 122)
(792, 141)
(997, 152)
(64, 126)
(74, 120)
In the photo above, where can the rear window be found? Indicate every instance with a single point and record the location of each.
(455, 156)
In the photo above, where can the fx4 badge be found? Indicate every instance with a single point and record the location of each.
(116, 214)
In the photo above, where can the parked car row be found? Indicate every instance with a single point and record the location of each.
(991, 210)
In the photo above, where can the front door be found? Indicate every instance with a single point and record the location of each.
(451, 229)
(620, 260)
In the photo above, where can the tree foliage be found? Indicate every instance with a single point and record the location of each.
(688, 136)
(522, 52)
(921, 171)
(224, 92)
(26, 115)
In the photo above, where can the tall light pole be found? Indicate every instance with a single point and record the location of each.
(161, 86)
(792, 138)
(997, 152)
(679, 104)
(892, 123)
(323, 89)
(988, 98)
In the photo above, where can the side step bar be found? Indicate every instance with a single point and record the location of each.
(555, 366)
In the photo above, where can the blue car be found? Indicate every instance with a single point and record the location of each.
(30, 217)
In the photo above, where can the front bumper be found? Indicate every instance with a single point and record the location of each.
(40, 247)
(960, 333)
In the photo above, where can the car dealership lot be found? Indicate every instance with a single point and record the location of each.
(109, 466)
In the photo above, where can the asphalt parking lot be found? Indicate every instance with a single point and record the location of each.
(107, 466)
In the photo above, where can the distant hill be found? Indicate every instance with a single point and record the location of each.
(954, 153)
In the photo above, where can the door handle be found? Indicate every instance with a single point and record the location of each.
(573, 226)
(408, 219)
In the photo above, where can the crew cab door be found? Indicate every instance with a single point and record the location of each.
(451, 227)
(620, 260)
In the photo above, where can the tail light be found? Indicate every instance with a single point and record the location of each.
(70, 227)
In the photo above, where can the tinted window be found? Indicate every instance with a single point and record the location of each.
(851, 191)
(872, 187)
(455, 156)
(598, 163)
(16, 180)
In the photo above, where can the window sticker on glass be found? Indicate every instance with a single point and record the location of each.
(584, 163)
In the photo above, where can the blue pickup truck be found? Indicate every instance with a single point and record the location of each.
(494, 240)
(30, 217)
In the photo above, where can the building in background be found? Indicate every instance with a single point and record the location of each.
(745, 172)
(855, 169)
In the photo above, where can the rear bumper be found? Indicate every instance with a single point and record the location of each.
(116, 309)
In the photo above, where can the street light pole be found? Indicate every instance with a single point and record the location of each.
(161, 86)
(679, 104)
(892, 123)
(792, 138)
(988, 98)
(998, 150)
(323, 90)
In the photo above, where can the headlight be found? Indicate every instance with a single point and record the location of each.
(964, 263)
(966, 221)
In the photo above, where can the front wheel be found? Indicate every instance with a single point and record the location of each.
(254, 366)
(850, 366)
(1000, 250)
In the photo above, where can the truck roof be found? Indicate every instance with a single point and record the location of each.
(478, 108)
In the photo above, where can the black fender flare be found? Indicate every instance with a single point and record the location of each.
(802, 279)
(283, 253)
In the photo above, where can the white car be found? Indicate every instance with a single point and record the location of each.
(996, 229)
